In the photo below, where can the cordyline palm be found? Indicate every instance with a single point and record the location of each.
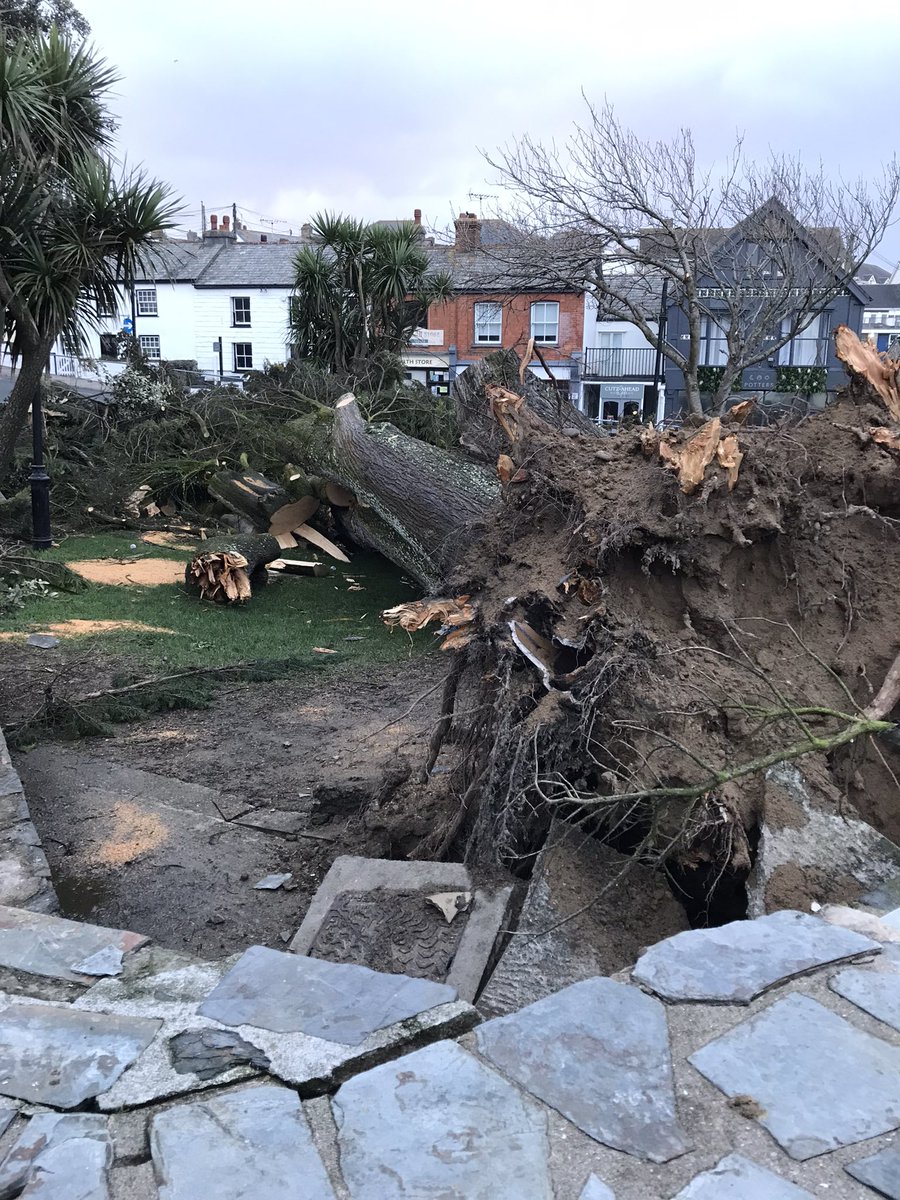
(359, 293)
(71, 230)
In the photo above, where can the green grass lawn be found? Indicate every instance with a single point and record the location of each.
(284, 620)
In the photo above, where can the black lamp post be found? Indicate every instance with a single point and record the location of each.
(39, 479)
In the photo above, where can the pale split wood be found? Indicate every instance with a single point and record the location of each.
(289, 516)
(319, 539)
(863, 359)
(888, 694)
(730, 456)
(691, 460)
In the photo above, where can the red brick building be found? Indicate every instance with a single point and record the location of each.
(492, 309)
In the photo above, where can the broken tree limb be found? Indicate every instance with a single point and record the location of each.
(415, 503)
(888, 694)
(869, 370)
(249, 494)
(227, 571)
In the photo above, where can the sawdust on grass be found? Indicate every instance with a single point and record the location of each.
(80, 627)
(143, 572)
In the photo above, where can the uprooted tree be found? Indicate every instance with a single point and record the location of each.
(639, 629)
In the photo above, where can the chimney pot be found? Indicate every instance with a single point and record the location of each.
(226, 222)
(417, 216)
(214, 223)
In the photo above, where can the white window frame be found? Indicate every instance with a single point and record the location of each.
(145, 302)
(235, 355)
(545, 322)
(149, 342)
(242, 300)
(488, 323)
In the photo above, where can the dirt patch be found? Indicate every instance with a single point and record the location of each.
(79, 627)
(142, 572)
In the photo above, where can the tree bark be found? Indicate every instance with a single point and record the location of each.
(250, 494)
(14, 414)
(413, 502)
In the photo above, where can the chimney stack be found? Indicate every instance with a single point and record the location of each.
(417, 216)
(226, 223)
(213, 222)
(468, 233)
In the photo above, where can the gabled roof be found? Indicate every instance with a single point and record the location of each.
(883, 295)
(870, 273)
(251, 265)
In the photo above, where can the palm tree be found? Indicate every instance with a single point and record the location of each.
(72, 230)
(360, 293)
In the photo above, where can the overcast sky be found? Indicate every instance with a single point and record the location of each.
(287, 107)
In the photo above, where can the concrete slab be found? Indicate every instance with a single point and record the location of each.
(437, 1124)
(588, 1051)
(43, 944)
(62, 1057)
(377, 913)
(813, 1080)
(734, 963)
(251, 1142)
(588, 911)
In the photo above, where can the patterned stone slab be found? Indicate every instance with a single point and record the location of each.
(588, 1051)
(595, 1189)
(60, 1157)
(879, 1171)
(875, 992)
(339, 1002)
(250, 1143)
(47, 945)
(734, 963)
(62, 1057)
(820, 1082)
(737, 1178)
(437, 1124)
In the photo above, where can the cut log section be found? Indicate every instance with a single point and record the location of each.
(227, 572)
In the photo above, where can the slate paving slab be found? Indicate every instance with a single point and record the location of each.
(589, 1051)
(879, 1171)
(340, 1002)
(820, 1082)
(737, 1178)
(438, 1124)
(46, 945)
(171, 989)
(60, 1157)
(596, 1189)
(62, 1057)
(7, 1112)
(735, 963)
(250, 1143)
(875, 992)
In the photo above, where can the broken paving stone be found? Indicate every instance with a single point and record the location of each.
(588, 1051)
(62, 1057)
(875, 992)
(42, 641)
(271, 883)
(880, 1171)
(732, 964)
(340, 1002)
(737, 1178)
(46, 945)
(107, 961)
(601, 909)
(439, 1123)
(596, 1189)
(249, 1143)
(61, 1157)
(207, 1053)
(6, 1116)
(820, 1082)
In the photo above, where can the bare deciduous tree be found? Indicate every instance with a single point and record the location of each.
(753, 252)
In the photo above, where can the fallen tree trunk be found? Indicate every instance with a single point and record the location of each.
(413, 502)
